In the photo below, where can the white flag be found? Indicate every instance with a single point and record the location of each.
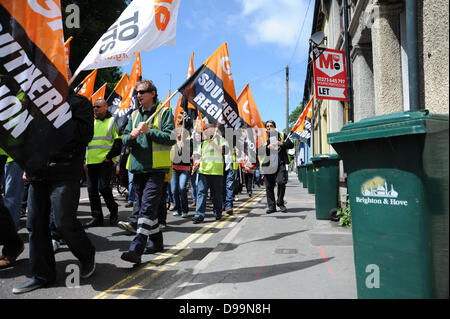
(143, 26)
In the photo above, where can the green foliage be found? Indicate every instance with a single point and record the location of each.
(345, 215)
(95, 18)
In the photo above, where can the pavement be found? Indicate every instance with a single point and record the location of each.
(289, 255)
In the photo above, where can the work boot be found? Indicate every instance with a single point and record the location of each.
(113, 217)
(154, 244)
(131, 257)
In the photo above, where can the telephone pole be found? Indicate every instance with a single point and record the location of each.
(287, 99)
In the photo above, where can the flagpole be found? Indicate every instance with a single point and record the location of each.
(164, 104)
(77, 72)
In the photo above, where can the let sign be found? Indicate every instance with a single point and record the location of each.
(330, 75)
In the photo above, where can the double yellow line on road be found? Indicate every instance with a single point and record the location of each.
(174, 255)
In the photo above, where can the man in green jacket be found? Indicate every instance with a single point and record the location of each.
(149, 161)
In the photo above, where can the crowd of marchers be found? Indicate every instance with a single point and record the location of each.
(161, 159)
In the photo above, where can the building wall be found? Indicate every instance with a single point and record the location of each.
(434, 54)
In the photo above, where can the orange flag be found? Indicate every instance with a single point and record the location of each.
(302, 128)
(67, 50)
(211, 90)
(116, 96)
(87, 86)
(178, 109)
(250, 114)
(135, 76)
(100, 94)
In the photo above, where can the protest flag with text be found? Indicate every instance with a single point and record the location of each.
(211, 90)
(302, 128)
(33, 81)
(143, 26)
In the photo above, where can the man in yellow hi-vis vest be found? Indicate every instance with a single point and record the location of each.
(210, 173)
(100, 159)
(149, 162)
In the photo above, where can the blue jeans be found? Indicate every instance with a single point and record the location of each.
(215, 182)
(229, 188)
(131, 192)
(178, 185)
(13, 190)
(194, 178)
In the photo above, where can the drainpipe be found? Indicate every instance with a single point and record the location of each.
(347, 60)
(411, 44)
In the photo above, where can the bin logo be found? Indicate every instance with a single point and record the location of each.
(378, 187)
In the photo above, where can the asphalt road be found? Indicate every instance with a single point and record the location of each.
(186, 245)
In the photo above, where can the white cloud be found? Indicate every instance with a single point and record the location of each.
(275, 22)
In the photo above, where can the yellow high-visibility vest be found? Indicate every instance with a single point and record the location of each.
(104, 135)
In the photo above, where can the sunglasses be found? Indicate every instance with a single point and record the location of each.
(142, 92)
(97, 106)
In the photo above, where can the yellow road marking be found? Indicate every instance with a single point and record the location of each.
(170, 253)
(140, 286)
(204, 238)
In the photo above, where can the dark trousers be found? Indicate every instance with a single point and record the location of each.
(280, 179)
(248, 179)
(8, 234)
(162, 209)
(148, 188)
(62, 197)
(99, 182)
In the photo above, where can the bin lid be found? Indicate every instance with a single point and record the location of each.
(320, 157)
(389, 125)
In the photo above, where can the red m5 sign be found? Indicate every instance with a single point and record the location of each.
(330, 75)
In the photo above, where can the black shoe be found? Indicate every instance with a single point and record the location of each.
(94, 222)
(88, 268)
(283, 208)
(270, 210)
(218, 217)
(113, 217)
(229, 211)
(28, 286)
(197, 220)
(132, 257)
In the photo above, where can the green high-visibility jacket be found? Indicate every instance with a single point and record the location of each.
(151, 151)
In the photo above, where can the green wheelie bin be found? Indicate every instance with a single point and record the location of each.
(310, 177)
(326, 183)
(304, 176)
(397, 169)
(299, 174)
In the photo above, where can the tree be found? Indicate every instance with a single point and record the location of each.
(95, 17)
(295, 114)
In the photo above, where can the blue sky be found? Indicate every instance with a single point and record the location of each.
(263, 37)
